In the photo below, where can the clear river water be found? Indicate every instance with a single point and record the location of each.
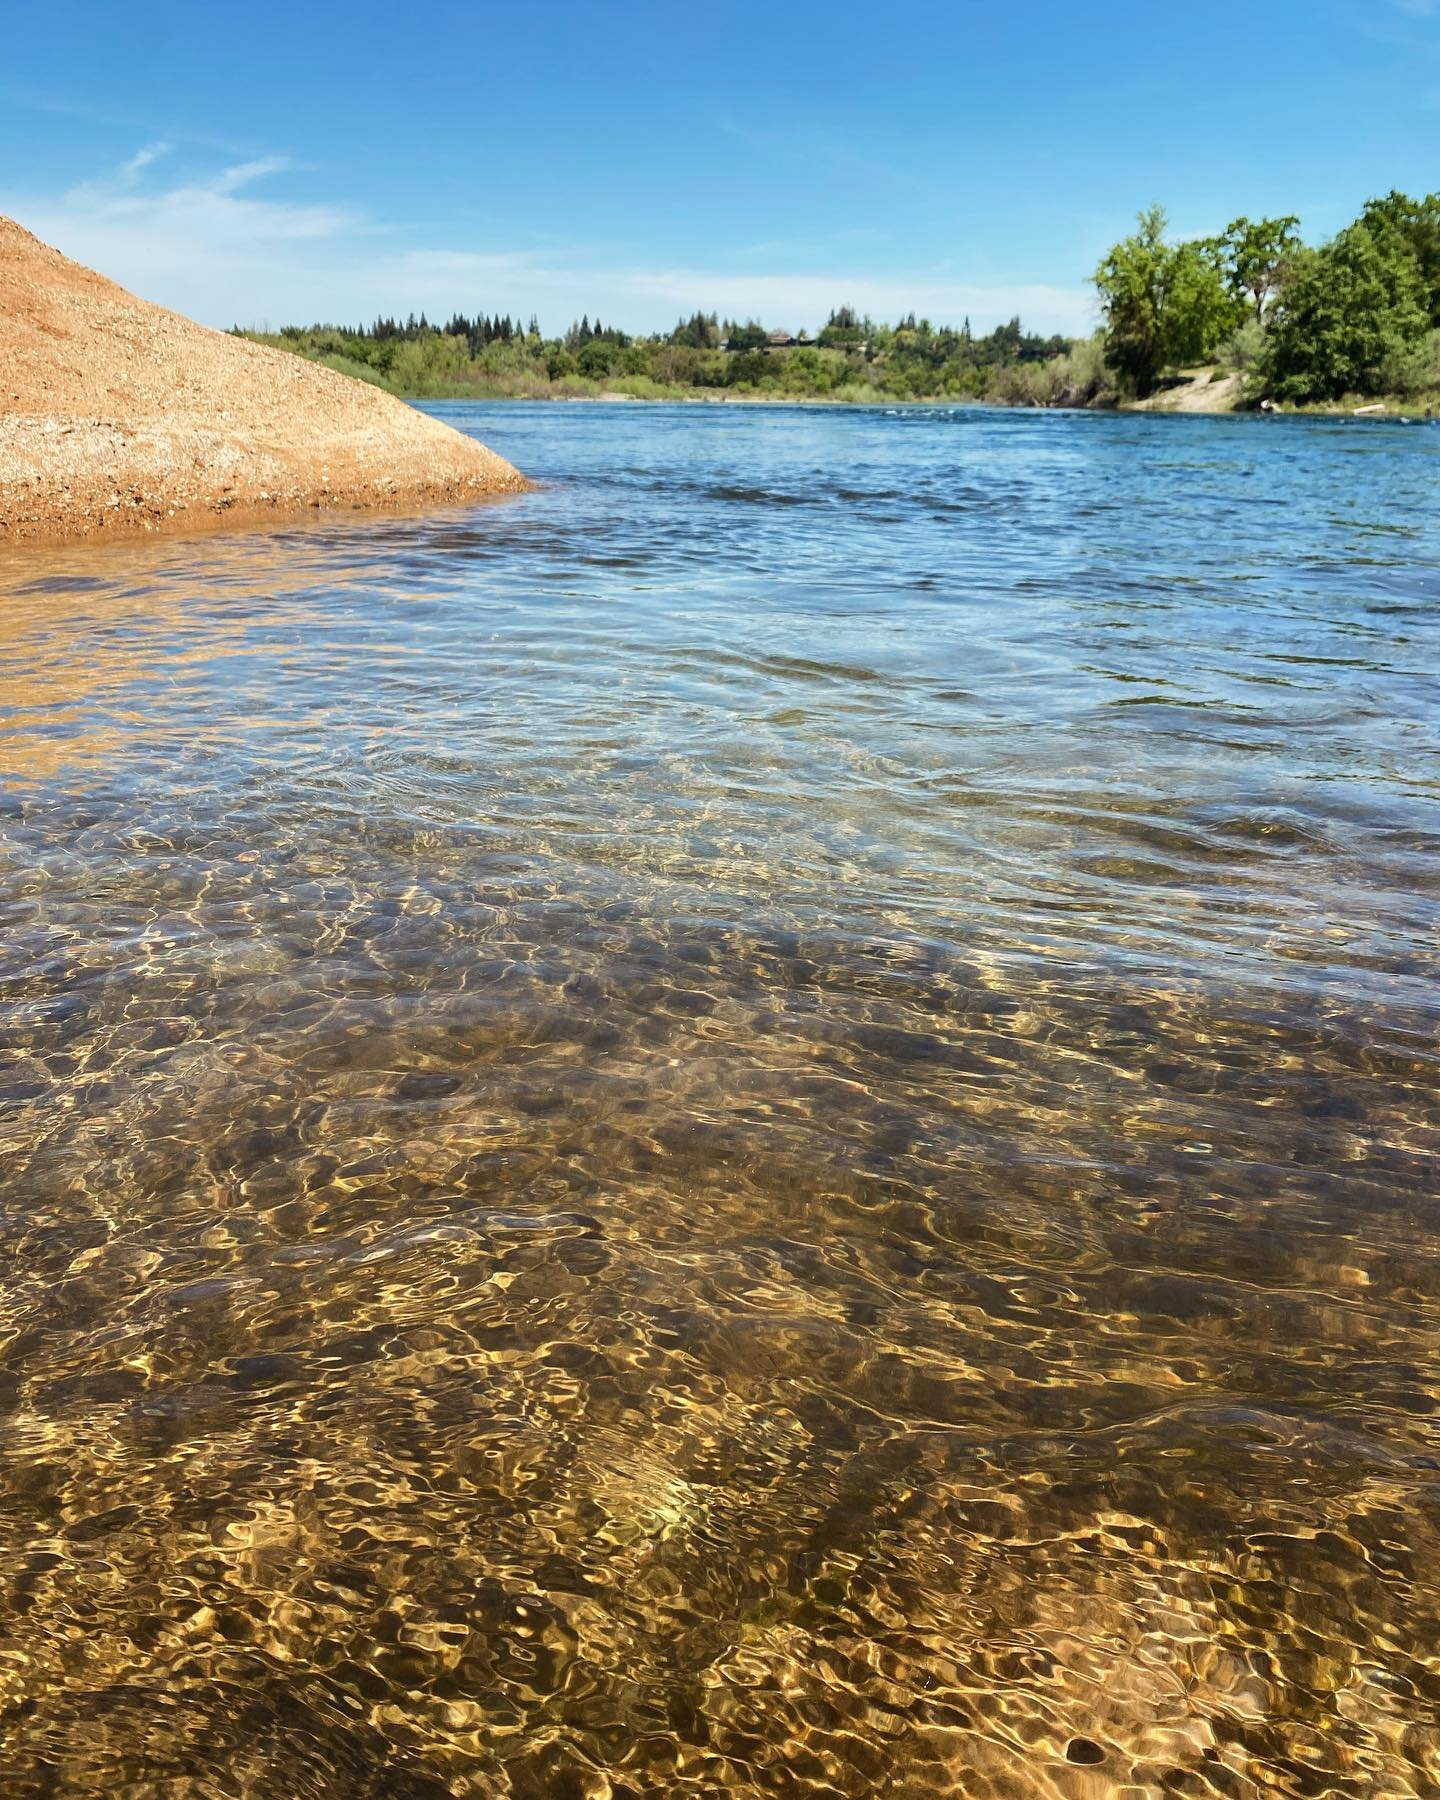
(764, 1123)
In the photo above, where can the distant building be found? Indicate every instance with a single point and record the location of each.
(771, 340)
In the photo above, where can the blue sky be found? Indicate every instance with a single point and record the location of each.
(273, 163)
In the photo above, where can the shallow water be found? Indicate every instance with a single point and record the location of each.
(765, 1123)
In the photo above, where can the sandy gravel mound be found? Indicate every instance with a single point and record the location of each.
(116, 415)
(1196, 392)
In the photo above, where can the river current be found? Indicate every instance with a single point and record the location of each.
(763, 1123)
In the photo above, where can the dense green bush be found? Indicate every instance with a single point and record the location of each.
(1414, 370)
(1347, 313)
(1298, 324)
(1243, 352)
(853, 358)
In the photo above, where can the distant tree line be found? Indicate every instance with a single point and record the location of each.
(1359, 315)
(852, 357)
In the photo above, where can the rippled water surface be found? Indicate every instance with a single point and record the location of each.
(765, 1123)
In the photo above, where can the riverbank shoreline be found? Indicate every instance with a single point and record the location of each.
(1390, 409)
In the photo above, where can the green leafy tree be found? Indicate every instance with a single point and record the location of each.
(1415, 223)
(1164, 304)
(1347, 313)
(597, 359)
(749, 336)
(842, 329)
(1199, 311)
(1255, 253)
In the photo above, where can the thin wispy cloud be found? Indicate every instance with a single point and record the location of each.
(242, 175)
(206, 220)
(1399, 24)
(224, 247)
(132, 169)
(650, 298)
(809, 150)
(220, 195)
(46, 104)
(806, 299)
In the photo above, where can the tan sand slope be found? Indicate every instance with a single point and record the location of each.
(116, 415)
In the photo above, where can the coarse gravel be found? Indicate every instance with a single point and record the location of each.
(117, 416)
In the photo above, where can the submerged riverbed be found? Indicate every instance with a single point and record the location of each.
(763, 1123)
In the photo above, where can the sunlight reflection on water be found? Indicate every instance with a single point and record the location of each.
(764, 1122)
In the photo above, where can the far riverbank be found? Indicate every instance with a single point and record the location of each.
(1195, 394)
